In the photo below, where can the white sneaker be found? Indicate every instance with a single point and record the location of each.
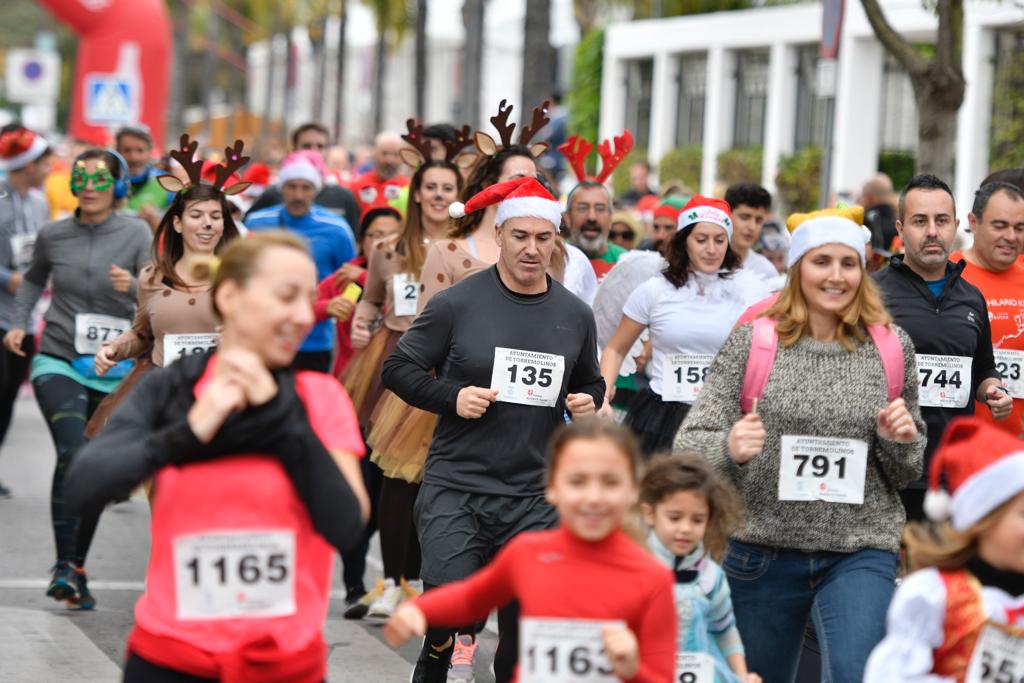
(383, 607)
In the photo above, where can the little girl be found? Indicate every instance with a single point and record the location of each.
(690, 512)
(594, 605)
(960, 617)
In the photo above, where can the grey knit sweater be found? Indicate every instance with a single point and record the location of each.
(817, 389)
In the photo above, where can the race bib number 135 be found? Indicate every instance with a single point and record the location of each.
(563, 651)
(526, 377)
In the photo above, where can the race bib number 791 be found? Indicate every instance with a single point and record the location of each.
(563, 651)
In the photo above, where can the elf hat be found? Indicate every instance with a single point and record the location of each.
(670, 207)
(702, 209)
(817, 232)
(984, 468)
(19, 148)
(519, 198)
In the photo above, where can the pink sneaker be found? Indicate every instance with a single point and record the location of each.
(462, 660)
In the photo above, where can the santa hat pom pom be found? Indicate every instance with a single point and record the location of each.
(457, 210)
(937, 505)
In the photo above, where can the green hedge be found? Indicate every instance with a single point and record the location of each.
(740, 165)
(682, 164)
(620, 177)
(900, 166)
(584, 96)
(798, 180)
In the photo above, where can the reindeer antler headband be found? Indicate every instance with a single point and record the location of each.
(576, 149)
(420, 151)
(185, 155)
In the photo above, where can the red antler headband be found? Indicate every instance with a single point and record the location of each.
(577, 148)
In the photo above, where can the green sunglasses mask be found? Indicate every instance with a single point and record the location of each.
(101, 179)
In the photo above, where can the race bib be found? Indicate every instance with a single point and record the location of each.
(407, 294)
(532, 379)
(177, 346)
(22, 247)
(821, 468)
(683, 375)
(1011, 366)
(563, 650)
(694, 667)
(231, 574)
(998, 658)
(945, 381)
(92, 329)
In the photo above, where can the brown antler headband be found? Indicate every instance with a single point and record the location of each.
(185, 155)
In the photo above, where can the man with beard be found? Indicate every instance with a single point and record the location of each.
(945, 315)
(384, 178)
(589, 219)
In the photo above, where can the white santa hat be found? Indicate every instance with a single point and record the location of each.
(817, 232)
(983, 467)
(519, 198)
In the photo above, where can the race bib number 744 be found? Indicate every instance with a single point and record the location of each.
(564, 651)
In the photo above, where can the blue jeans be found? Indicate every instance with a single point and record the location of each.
(775, 591)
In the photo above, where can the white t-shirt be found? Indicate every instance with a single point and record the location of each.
(684, 320)
(760, 266)
(580, 278)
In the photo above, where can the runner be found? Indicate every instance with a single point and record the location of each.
(330, 239)
(513, 351)
(91, 259)
(750, 204)
(997, 223)
(147, 198)
(690, 512)
(946, 317)
(704, 286)
(588, 210)
(591, 598)
(173, 317)
(961, 616)
(398, 433)
(385, 180)
(239, 575)
(26, 157)
(819, 446)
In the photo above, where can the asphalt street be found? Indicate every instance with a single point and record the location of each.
(43, 641)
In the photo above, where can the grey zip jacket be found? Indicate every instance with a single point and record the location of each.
(78, 257)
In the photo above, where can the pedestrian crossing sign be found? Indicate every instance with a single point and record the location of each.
(110, 100)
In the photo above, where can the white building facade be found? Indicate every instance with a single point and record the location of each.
(748, 79)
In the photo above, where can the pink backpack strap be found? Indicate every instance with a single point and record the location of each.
(891, 352)
(763, 345)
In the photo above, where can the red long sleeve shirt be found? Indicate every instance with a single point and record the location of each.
(329, 288)
(555, 574)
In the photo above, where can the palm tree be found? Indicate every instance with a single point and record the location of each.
(538, 54)
(391, 19)
(421, 58)
(472, 60)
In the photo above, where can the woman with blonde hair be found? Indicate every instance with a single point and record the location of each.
(961, 614)
(812, 411)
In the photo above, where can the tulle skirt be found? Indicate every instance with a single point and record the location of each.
(106, 407)
(400, 438)
(361, 376)
(655, 422)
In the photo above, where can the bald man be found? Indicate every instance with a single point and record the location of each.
(384, 178)
(878, 199)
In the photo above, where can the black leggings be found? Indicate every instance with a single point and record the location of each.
(67, 406)
(13, 371)
(353, 562)
(139, 670)
(399, 545)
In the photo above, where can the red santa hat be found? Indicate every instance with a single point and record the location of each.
(984, 468)
(305, 165)
(701, 209)
(516, 198)
(19, 148)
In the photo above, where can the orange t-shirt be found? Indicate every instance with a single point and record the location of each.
(1004, 296)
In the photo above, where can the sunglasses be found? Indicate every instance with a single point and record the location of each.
(626, 235)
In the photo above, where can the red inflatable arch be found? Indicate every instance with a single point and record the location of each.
(122, 69)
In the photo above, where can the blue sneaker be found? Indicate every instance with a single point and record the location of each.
(62, 586)
(82, 599)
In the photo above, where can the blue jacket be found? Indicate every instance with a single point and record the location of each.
(331, 244)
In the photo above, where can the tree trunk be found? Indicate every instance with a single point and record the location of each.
(538, 54)
(586, 14)
(339, 112)
(938, 95)
(378, 85)
(472, 61)
(421, 59)
(176, 102)
(268, 93)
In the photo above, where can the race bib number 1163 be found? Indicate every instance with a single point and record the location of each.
(564, 651)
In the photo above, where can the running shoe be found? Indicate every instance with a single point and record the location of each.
(411, 589)
(462, 660)
(4, 491)
(384, 606)
(357, 606)
(82, 599)
(62, 586)
(432, 666)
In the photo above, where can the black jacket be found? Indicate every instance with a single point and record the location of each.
(954, 324)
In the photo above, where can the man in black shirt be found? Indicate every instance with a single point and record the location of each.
(945, 315)
(514, 354)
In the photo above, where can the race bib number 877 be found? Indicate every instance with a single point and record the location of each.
(563, 651)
